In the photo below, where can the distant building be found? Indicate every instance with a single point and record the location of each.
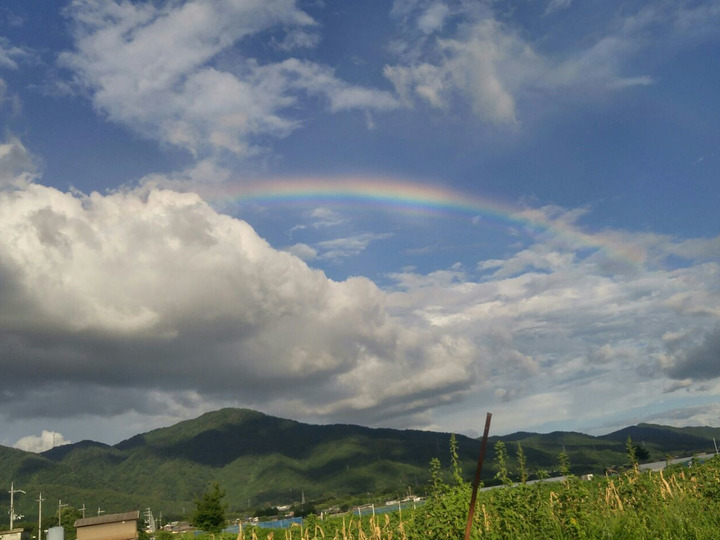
(108, 527)
(15, 534)
(178, 527)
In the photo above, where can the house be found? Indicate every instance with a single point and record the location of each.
(15, 534)
(109, 527)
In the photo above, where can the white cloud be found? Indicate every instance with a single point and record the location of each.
(37, 444)
(303, 251)
(351, 246)
(425, 80)
(556, 333)
(320, 81)
(145, 298)
(154, 68)
(433, 18)
(499, 70)
(9, 101)
(318, 218)
(325, 217)
(18, 166)
(482, 64)
(557, 5)
(297, 39)
(704, 415)
(151, 281)
(10, 54)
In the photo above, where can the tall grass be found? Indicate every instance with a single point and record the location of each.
(683, 503)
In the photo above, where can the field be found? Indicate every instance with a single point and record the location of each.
(679, 503)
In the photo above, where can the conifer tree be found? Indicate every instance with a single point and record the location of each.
(209, 513)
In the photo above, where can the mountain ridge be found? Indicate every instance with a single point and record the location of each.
(261, 459)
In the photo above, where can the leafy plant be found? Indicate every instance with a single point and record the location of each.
(522, 464)
(501, 461)
(209, 512)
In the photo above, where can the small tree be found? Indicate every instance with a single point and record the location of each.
(564, 463)
(455, 461)
(209, 513)
(437, 486)
(522, 464)
(631, 452)
(69, 516)
(501, 460)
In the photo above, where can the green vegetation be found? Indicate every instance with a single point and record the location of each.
(265, 462)
(209, 515)
(680, 503)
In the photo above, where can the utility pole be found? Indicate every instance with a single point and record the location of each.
(83, 510)
(150, 521)
(13, 516)
(39, 501)
(60, 507)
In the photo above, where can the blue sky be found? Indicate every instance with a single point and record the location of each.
(396, 214)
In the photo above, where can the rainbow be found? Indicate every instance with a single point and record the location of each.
(414, 198)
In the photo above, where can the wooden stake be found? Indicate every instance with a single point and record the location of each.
(476, 483)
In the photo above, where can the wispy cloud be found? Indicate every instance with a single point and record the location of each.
(492, 65)
(153, 68)
(351, 246)
(557, 5)
(10, 54)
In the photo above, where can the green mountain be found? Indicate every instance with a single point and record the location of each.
(260, 459)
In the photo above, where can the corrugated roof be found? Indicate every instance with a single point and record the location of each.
(107, 518)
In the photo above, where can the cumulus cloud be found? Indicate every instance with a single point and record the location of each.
(143, 298)
(154, 67)
(152, 302)
(41, 443)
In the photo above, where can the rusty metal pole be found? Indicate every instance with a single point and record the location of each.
(476, 483)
